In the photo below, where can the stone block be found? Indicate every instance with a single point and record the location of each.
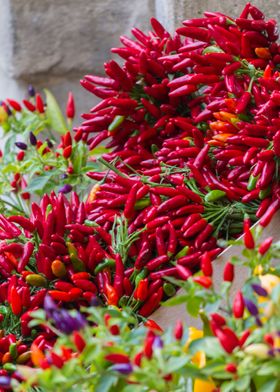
(61, 37)
(172, 12)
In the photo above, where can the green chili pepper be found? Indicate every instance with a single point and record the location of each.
(48, 209)
(106, 263)
(78, 264)
(169, 289)
(203, 126)
(118, 120)
(123, 301)
(13, 350)
(140, 204)
(183, 252)
(36, 280)
(264, 193)
(10, 367)
(214, 195)
(252, 182)
(212, 49)
(154, 148)
(140, 276)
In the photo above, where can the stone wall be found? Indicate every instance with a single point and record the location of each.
(53, 43)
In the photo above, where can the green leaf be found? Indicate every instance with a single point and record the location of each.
(38, 183)
(54, 114)
(193, 306)
(177, 300)
(209, 345)
(243, 383)
(106, 383)
(176, 363)
(270, 385)
(228, 386)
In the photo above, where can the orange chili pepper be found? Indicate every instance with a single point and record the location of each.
(93, 192)
(37, 355)
(224, 116)
(222, 137)
(263, 53)
(215, 143)
(58, 268)
(111, 295)
(6, 358)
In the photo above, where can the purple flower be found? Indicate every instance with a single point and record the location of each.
(63, 176)
(63, 320)
(31, 91)
(95, 301)
(252, 308)
(123, 368)
(33, 139)
(21, 145)
(65, 188)
(157, 343)
(67, 323)
(49, 306)
(50, 144)
(258, 289)
(5, 382)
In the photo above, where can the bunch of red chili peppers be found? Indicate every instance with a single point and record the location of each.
(193, 128)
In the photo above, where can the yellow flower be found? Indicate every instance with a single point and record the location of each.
(199, 359)
(269, 281)
(258, 270)
(258, 350)
(3, 115)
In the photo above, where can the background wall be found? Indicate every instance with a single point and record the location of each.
(53, 43)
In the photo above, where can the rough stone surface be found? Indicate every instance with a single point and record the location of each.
(62, 36)
(173, 12)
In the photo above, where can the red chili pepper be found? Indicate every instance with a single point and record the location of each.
(228, 272)
(238, 305)
(157, 262)
(119, 276)
(85, 285)
(39, 104)
(218, 319)
(130, 202)
(63, 286)
(60, 295)
(183, 272)
(141, 292)
(195, 228)
(151, 304)
(70, 107)
(157, 222)
(15, 301)
(29, 105)
(204, 281)
(117, 358)
(268, 215)
(227, 339)
(263, 207)
(248, 237)
(67, 152)
(265, 245)
(27, 253)
(152, 325)
(206, 265)
(14, 104)
(178, 330)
